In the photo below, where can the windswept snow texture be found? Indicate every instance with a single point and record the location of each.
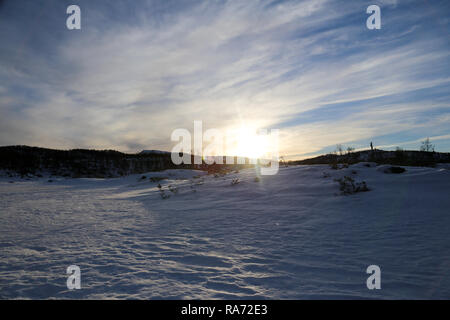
(287, 236)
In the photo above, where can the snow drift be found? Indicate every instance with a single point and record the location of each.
(240, 235)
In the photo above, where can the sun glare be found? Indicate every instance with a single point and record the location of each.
(250, 144)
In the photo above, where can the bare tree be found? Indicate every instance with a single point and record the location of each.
(427, 146)
(339, 149)
(283, 162)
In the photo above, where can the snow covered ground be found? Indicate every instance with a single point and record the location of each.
(288, 236)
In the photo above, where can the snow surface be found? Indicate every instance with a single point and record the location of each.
(288, 236)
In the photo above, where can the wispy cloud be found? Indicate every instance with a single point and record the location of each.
(136, 72)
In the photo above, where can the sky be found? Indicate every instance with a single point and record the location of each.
(138, 70)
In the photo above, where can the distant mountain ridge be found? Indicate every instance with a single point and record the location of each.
(81, 162)
(154, 152)
(76, 163)
(398, 157)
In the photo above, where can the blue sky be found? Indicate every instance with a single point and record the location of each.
(137, 70)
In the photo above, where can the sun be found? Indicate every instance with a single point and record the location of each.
(249, 143)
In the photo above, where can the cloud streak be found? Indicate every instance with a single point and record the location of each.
(134, 74)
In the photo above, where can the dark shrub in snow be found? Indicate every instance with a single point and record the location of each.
(157, 179)
(164, 195)
(347, 185)
(337, 166)
(395, 170)
(173, 189)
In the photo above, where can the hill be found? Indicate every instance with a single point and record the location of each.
(398, 157)
(25, 160)
(80, 163)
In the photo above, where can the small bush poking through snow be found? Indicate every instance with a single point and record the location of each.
(336, 166)
(347, 185)
(164, 195)
(173, 189)
(395, 170)
(235, 181)
(199, 182)
(157, 179)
